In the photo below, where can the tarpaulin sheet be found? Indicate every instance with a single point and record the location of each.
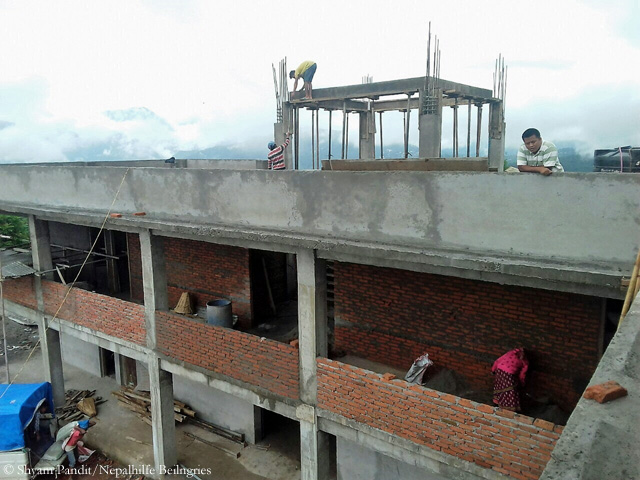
(18, 404)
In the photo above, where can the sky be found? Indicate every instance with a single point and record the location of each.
(87, 80)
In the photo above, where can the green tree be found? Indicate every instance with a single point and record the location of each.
(15, 227)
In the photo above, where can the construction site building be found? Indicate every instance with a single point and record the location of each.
(362, 268)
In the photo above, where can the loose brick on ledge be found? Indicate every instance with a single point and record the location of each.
(295, 343)
(605, 392)
(538, 422)
(387, 377)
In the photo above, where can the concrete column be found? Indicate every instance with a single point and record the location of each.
(430, 126)
(497, 129)
(49, 338)
(314, 446)
(163, 425)
(312, 320)
(154, 281)
(367, 145)
(312, 328)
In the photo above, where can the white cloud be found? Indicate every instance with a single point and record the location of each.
(204, 68)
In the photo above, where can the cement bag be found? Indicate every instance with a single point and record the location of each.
(416, 372)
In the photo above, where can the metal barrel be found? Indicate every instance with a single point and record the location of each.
(219, 313)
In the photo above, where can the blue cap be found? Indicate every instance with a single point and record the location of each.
(271, 145)
(84, 424)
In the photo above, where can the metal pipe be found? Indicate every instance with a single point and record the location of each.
(455, 127)
(408, 123)
(381, 145)
(313, 140)
(346, 143)
(4, 329)
(479, 130)
(344, 126)
(469, 130)
(63, 247)
(329, 154)
(297, 133)
(318, 139)
(404, 126)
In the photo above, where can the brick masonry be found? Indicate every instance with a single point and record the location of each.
(393, 316)
(20, 291)
(205, 270)
(509, 443)
(111, 316)
(247, 358)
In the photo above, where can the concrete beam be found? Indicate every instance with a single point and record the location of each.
(394, 87)
(404, 450)
(163, 425)
(262, 401)
(367, 144)
(497, 128)
(436, 214)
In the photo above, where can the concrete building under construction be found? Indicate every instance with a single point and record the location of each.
(367, 270)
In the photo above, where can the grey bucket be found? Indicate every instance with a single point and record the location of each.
(219, 313)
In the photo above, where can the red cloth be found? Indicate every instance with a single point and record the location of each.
(513, 362)
(75, 437)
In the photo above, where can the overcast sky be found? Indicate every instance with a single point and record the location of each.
(145, 78)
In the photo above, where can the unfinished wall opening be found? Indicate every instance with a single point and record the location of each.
(275, 306)
(106, 269)
(281, 434)
(107, 363)
(389, 317)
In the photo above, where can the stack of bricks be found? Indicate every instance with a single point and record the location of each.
(111, 316)
(205, 270)
(265, 363)
(496, 439)
(393, 316)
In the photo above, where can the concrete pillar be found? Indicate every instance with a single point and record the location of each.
(430, 126)
(49, 338)
(367, 145)
(154, 282)
(312, 320)
(314, 446)
(163, 425)
(497, 129)
(312, 328)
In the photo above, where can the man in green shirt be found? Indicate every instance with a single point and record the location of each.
(306, 70)
(537, 155)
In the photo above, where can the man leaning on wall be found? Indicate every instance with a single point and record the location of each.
(537, 155)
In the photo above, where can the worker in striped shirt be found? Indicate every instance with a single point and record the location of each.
(275, 158)
(537, 155)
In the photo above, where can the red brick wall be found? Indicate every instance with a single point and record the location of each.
(265, 363)
(493, 438)
(20, 291)
(111, 316)
(464, 325)
(205, 270)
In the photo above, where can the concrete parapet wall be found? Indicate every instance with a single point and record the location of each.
(496, 439)
(601, 440)
(576, 218)
(265, 363)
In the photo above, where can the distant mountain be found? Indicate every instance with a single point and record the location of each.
(571, 160)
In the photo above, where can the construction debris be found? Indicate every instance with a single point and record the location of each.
(140, 403)
(211, 444)
(605, 392)
(78, 404)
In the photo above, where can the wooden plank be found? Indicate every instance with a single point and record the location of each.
(223, 432)
(211, 444)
